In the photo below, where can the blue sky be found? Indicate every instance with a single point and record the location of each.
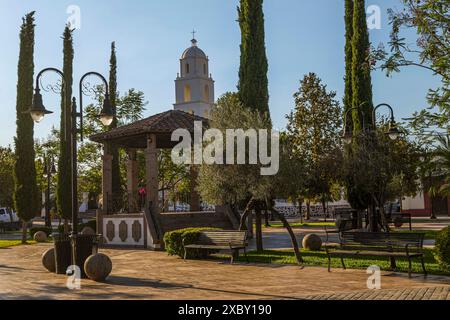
(301, 36)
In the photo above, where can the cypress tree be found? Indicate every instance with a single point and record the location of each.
(348, 96)
(361, 79)
(116, 178)
(26, 193)
(64, 190)
(253, 82)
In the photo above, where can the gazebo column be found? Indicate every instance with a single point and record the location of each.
(132, 180)
(151, 156)
(107, 179)
(195, 197)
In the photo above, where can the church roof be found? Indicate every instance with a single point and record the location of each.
(162, 124)
(193, 51)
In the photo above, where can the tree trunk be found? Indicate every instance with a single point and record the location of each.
(24, 232)
(247, 211)
(308, 210)
(300, 209)
(324, 207)
(66, 225)
(286, 224)
(266, 218)
(258, 223)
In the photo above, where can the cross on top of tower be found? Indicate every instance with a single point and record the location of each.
(194, 41)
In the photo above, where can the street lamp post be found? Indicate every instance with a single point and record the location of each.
(393, 132)
(38, 111)
(49, 171)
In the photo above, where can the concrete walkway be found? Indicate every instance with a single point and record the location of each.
(154, 275)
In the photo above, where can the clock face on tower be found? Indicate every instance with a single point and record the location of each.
(194, 86)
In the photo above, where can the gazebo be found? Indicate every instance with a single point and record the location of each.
(146, 228)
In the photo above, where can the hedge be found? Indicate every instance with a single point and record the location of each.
(442, 248)
(173, 242)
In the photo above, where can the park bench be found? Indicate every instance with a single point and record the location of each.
(379, 244)
(220, 240)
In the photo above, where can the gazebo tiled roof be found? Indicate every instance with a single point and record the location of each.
(162, 125)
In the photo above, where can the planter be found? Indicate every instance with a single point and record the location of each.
(63, 252)
(86, 245)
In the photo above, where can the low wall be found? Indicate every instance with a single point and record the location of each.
(125, 230)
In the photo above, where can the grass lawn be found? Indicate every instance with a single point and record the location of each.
(305, 224)
(12, 243)
(320, 259)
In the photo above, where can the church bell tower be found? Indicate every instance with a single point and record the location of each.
(194, 85)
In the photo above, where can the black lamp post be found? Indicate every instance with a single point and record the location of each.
(38, 111)
(393, 132)
(49, 171)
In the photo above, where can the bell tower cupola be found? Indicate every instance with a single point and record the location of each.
(194, 86)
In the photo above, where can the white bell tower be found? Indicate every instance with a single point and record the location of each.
(194, 85)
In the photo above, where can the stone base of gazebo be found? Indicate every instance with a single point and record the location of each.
(137, 231)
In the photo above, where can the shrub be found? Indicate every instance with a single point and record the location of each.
(442, 248)
(47, 230)
(173, 242)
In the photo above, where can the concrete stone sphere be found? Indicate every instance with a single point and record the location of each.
(48, 260)
(88, 231)
(40, 236)
(312, 242)
(98, 267)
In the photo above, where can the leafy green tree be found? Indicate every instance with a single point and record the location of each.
(64, 189)
(26, 194)
(431, 51)
(253, 83)
(313, 129)
(6, 177)
(384, 169)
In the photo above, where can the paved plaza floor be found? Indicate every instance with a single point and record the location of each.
(139, 274)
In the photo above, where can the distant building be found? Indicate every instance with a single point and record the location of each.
(194, 86)
(422, 205)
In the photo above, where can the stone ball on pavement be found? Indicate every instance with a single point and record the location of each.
(312, 242)
(98, 267)
(88, 231)
(40, 236)
(48, 260)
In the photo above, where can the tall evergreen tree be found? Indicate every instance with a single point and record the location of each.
(64, 190)
(116, 177)
(348, 97)
(361, 78)
(26, 193)
(253, 82)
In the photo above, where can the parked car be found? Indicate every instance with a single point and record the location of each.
(9, 219)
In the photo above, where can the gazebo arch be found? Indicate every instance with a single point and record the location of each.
(146, 229)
